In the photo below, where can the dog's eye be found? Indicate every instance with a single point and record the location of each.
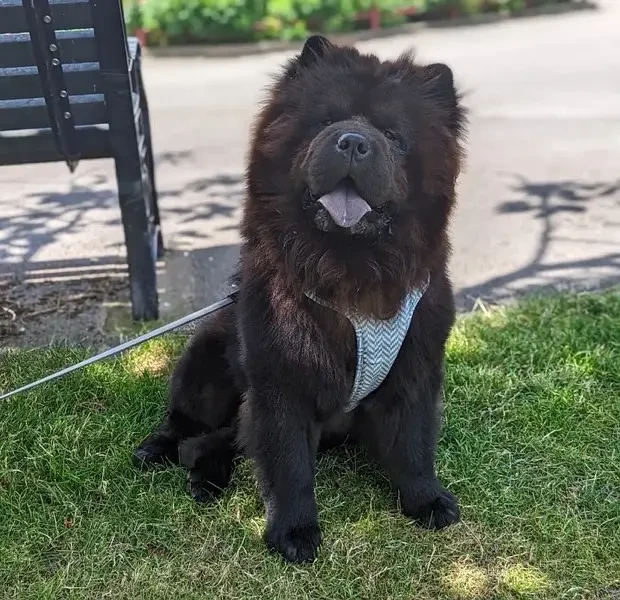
(390, 135)
(397, 139)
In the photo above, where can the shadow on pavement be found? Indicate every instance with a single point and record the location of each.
(45, 218)
(548, 201)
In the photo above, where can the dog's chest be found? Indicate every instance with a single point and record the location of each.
(376, 347)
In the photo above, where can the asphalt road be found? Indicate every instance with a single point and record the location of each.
(539, 201)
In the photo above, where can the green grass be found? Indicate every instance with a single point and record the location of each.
(531, 446)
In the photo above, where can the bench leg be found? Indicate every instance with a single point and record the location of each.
(118, 60)
(133, 196)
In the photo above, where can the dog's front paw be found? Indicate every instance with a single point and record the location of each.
(436, 513)
(298, 544)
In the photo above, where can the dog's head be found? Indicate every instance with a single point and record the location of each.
(353, 166)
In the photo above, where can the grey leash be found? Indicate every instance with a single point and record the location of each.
(129, 344)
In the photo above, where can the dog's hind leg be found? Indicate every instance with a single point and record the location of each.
(209, 459)
(162, 445)
(203, 394)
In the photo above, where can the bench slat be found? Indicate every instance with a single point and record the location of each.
(24, 82)
(73, 14)
(39, 146)
(77, 46)
(33, 114)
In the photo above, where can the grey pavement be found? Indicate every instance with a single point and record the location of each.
(539, 200)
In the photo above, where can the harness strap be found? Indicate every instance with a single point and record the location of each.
(378, 342)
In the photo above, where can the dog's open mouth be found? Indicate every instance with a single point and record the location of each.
(344, 204)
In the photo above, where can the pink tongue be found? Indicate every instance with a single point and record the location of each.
(345, 205)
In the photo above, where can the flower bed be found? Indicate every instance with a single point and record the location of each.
(173, 22)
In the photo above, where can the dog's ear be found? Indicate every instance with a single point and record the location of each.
(438, 82)
(315, 47)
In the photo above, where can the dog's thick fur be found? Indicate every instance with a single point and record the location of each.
(270, 375)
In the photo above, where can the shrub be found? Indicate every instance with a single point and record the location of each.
(216, 21)
(187, 21)
(173, 21)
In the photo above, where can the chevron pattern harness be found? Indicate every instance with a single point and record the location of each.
(378, 344)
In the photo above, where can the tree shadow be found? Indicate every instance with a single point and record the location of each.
(44, 216)
(205, 198)
(545, 201)
(546, 198)
(174, 157)
(225, 186)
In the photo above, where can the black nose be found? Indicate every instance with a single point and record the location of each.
(353, 146)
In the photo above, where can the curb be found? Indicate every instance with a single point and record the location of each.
(266, 47)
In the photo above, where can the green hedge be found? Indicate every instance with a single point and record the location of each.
(187, 21)
(219, 21)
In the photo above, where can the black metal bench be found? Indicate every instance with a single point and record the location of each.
(70, 89)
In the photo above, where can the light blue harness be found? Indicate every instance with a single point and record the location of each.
(378, 344)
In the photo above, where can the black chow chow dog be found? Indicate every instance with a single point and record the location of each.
(350, 185)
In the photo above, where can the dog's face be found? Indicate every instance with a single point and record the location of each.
(354, 159)
(354, 175)
(359, 134)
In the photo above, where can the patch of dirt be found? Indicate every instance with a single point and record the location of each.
(40, 314)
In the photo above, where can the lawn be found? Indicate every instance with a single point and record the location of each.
(531, 445)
